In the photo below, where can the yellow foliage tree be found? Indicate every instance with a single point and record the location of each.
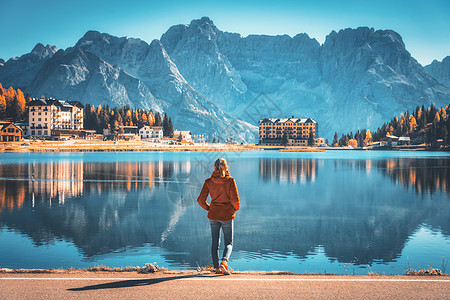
(412, 123)
(21, 101)
(353, 143)
(9, 95)
(2, 106)
(391, 130)
(443, 114)
(144, 118)
(437, 119)
(368, 138)
(151, 118)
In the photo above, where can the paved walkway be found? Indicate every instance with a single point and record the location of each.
(208, 286)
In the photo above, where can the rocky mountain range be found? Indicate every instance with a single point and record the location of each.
(220, 83)
(440, 70)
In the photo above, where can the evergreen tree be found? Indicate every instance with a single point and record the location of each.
(16, 111)
(158, 120)
(165, 125)
(335, 139)
(170, 129)
(285, 138)
(444, 134)
(311, 141)
(343, 141)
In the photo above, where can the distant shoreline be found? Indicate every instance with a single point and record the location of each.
(135, 146)
(144, 146)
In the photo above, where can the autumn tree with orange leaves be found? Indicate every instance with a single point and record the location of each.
(12, 104)
(424, 125)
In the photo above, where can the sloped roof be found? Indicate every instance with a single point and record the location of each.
(5, 125)
(60, 103)
(284, 120)
(153, 128)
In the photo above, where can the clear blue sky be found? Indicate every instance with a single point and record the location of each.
(424, 25)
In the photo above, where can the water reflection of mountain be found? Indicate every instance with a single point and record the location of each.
(353, 209)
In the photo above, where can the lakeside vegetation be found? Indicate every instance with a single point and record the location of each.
(424, 125)
(429, 126)
(14, 107)
(115, 118)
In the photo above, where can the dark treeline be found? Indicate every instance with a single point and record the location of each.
(114, 118)
(423, 125)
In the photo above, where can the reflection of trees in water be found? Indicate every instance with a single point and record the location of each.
(12, 195)
(287, 170)
(423, 175)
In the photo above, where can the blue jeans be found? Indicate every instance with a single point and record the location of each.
(227, 228)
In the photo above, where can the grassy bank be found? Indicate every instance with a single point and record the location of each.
(154, 268)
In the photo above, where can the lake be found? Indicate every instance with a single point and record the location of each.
(344, 212)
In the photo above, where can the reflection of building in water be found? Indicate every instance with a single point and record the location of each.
(129, 175)
(287, 170)
(58, 179)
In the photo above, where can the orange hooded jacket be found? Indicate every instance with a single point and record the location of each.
(224, 197)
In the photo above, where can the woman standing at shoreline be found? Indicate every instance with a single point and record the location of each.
(221, 211)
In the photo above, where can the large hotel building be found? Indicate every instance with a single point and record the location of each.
(298, 130)
(46, 116)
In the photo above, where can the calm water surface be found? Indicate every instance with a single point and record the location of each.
(339, 211)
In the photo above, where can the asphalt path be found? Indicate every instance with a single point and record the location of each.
(210, 286)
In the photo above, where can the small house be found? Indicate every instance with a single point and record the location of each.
(151, 132)
(404, 140)
(9, 132)
(185, 135)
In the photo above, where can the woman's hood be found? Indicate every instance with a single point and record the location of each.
(215, 177)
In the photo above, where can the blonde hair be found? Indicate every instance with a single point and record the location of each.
(221, 166)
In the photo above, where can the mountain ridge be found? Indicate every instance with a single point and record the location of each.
(358, 78)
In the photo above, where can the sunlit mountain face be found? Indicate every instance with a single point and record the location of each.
(220, 83)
